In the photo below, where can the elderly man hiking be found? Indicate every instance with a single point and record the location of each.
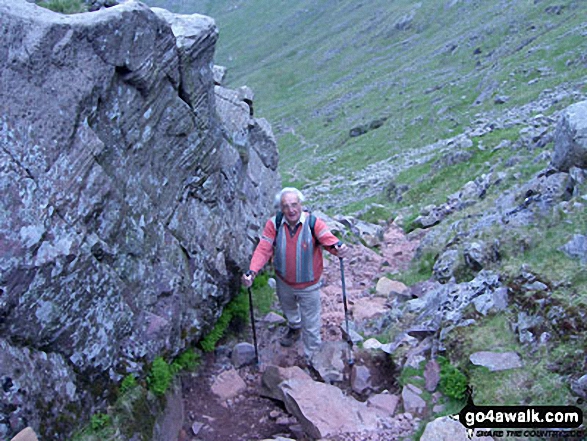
(295, 238)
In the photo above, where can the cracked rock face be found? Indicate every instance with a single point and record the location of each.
(132, 191)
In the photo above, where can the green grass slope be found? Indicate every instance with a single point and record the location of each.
(415, 69)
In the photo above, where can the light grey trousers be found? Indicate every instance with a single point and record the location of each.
(302, 309)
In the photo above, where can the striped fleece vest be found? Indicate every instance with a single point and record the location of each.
(304, 250)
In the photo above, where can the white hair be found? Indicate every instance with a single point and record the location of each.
(286, 190)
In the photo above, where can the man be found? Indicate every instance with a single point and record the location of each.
(296, 245)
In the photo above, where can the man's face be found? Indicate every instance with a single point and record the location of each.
(291, 208)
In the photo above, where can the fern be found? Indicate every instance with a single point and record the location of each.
(160, 376)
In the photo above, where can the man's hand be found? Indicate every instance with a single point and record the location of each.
(248, 278)
(342, 251)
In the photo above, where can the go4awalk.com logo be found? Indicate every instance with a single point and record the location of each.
(522, 421)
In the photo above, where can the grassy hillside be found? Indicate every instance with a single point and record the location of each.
(353, 87)
(320, 69)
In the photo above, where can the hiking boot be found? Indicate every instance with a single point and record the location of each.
(290, 338)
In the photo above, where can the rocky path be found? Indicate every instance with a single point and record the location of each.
(225, 403)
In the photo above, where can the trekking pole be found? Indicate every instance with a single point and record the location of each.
(253, 324)
(346, 315)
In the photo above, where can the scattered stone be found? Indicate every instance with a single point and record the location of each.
(283, 421)
(570, 138)
(385, 402)
(372, 343)
(383, 287)
(447, 429)
(446, 265)
(369, 308)
(352, 334)
(535, 286)
(403, 340)
(361, 379)
(496, 361)
(434, 217)
(279, 438)
(494, 301)
(274, 319)
(196, 427)
(438, 408)
(414, 360)
(544, 338)
(386, 287)
(228, 385)
(333, 413)
(95, 5)
(273, 376)
(501, 99)
(479, 255)
(527, 326)
(432, 375)
(334, 225)
(27, 434)
(219, 73)
(576, 248)
(580, 387)
(421, 331)
(243, 354)
(413, 402)
(330, 361)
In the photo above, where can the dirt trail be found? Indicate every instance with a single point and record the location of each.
(250, 416)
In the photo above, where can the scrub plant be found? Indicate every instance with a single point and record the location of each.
(65, 6)
(453, 383)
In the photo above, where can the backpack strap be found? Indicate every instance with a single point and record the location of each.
(312, 224)
(278, 220)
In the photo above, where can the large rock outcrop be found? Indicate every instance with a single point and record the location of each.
(132, 191)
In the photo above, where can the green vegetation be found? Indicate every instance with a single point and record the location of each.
(138, 402)
(100, 428)
(321, 69)
(99, 421)
(237, 308)
(538, 248)
(65, 6)
(419, 270)
(453, 383)
(160, 377)
(536, 382)
(263, 295)
(187, 361)
(128, 383)
(162, 373)
(236, 312)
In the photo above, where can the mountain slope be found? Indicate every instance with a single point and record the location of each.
(440, 115)
(421, 71)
